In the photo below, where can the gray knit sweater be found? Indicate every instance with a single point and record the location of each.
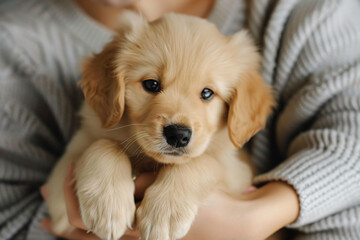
(311, 52)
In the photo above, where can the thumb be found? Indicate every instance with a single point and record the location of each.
(142, 182)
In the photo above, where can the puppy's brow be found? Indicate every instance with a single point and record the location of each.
(151, 76)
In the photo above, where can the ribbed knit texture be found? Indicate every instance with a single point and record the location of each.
(311, 52)
(312, 58)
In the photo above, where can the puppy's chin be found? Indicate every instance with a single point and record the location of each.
(169, 158)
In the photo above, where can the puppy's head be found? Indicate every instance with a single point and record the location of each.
(179, 81)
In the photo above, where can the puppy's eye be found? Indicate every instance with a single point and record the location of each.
(207, 94)
(151, 85)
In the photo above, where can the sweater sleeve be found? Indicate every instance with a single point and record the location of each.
(317, 124)
(32, 138)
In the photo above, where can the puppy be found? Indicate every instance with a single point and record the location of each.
(175, 96)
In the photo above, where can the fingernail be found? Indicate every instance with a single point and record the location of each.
(134, 176)
(249, 189)
(44, 191)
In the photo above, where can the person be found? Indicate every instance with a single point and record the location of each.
(308, 155)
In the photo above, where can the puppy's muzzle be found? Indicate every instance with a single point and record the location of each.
(177, 135)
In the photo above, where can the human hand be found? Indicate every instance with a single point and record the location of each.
(73, 212)
(257, 215)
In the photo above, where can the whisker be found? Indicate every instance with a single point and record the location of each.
(131, 137)
(139, 149)
(129, 144)
(129, 125)
(134, 138)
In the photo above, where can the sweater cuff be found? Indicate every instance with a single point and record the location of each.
(323, 179)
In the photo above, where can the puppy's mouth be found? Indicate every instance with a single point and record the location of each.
(175, 153)
(171, 157)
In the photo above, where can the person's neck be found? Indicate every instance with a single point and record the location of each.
(151, 9)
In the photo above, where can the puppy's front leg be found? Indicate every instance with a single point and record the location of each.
(105, 189)
(171, 202)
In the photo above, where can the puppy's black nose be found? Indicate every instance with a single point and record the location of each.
(176, 135)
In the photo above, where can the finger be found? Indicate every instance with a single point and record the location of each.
(142, 182)
(249, 189)
(81, 234)
(132, 233)
(46, 224)
(125, 237)
(74, 235)
(71, 201)
(44, 191)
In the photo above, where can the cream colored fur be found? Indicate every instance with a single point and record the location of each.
(122, 126)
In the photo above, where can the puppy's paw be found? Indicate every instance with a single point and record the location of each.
(164, 217)
(108, 212)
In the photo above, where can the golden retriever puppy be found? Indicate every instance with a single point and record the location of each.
(173, 95)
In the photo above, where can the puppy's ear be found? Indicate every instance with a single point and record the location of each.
(103, 88)
(102, 84)
(252, 100)
(250, 106)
